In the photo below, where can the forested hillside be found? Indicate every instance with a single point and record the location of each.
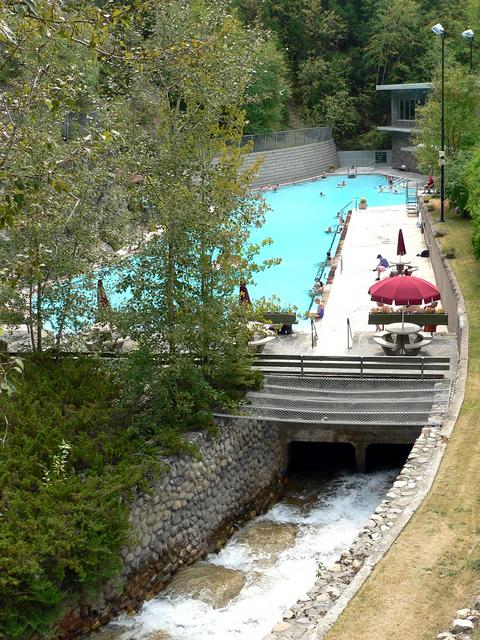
(335, 52)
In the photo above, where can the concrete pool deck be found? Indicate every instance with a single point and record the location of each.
(370, 232)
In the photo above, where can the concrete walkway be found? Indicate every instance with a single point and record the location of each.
(371, 231)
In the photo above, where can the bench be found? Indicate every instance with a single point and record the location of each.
(421, 318)
(389, 348)
(277, 317)
(259, 344)
(369, 366)
(413, 348)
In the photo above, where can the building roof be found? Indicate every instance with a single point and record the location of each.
(404, 87)
(397, 129)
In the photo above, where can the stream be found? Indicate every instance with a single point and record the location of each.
(267, 566)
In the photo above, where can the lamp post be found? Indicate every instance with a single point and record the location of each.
(438, 30)
(468, 35)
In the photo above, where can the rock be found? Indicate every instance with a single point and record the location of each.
(335, 567)
(463, 614)
(323, 597)
(333, 591)
(215, 585)
(446, 635)
(459, 626)
(280, 627)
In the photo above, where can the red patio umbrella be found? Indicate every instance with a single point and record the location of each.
(401, 251)
(244, 295)
(401, 290)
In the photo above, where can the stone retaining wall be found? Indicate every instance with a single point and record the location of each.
(293, 163)
(452, 299)
(191, 511)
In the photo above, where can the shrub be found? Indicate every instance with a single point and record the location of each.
(67, 466)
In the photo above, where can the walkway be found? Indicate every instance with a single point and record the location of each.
(372, 231)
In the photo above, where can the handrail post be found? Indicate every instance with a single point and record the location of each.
(301, 365)
(361, 366)
(423, 363)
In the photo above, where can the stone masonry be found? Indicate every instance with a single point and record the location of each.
(190, 511)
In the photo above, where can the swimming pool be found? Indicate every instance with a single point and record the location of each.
(296, 223)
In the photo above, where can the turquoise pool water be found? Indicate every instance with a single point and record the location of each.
(296, 223)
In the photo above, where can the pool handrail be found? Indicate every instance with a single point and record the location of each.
(322, 267)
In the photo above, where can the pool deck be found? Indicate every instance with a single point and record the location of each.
(371, 231)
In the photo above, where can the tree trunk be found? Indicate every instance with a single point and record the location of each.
(39, 316)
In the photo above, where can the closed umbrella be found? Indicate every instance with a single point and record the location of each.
(102, 299)
(401, 251)
(244, 295)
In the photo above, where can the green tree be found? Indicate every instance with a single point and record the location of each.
(57, 187)
(269, 91)
(185, 119)
(397, 36)
(462, 127)
(472, 183)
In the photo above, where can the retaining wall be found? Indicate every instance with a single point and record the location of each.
(294, 163)
(452, 299)
(364, 159)
(190, 511)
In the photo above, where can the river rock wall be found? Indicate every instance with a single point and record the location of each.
(190, 511)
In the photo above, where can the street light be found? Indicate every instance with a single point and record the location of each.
(468, 35)
(438, 30)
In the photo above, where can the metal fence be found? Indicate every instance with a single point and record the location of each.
(287, 139)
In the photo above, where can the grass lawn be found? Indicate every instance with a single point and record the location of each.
(433, 568)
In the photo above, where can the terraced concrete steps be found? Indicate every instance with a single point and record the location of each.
(350, 401)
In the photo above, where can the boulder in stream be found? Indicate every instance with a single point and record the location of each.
(215, 585)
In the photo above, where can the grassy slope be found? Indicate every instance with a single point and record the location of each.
(433, 568)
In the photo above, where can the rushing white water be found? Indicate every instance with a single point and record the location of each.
(326, 519)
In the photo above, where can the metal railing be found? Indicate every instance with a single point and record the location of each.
(369, 366)
(349, 334)
(313, 330)
(287, 139)
(325, 266)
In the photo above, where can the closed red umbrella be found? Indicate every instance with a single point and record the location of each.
(102, 299)
(401, 251)
(244, 295)
(401, 290)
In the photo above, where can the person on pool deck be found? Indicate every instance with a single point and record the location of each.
(382, 265)
(430, 308)
(324, 175)
(318, 287)
(320, 311)
(429, 185)
(328, 257)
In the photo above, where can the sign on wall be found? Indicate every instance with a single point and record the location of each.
(380, 157)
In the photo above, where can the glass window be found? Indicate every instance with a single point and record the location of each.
(406, 109)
